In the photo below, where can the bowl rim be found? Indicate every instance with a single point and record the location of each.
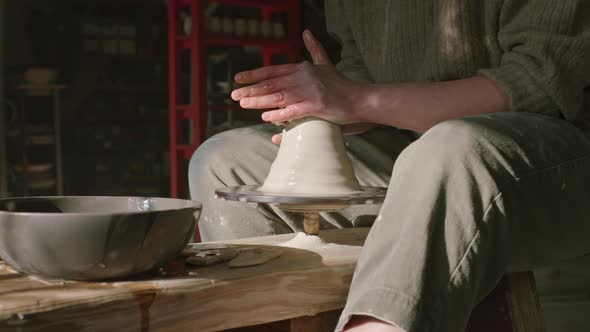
(195, 206)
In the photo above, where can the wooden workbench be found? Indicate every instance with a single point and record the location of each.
(298, 283)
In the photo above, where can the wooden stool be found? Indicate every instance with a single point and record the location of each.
(513, 306)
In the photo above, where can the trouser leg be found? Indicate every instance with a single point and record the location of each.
(469, 200)
(243, 157)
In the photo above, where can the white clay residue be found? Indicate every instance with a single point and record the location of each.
(59, 282)
(304, 241)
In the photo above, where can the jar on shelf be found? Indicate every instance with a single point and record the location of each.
(278, 30)
(227, 26)
(253, 27)
(213, 24)
(240, 27)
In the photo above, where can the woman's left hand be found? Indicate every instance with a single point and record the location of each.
(300, 90)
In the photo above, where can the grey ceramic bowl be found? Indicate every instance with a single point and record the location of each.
(90, 238)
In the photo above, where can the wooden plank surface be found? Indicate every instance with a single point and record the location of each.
(491, 315)
(299, 283)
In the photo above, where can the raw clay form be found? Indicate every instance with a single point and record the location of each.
(312, 160)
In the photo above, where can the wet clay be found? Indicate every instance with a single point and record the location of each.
(312, 160)
(254, 256)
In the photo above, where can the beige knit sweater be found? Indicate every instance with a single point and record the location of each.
(537, 51)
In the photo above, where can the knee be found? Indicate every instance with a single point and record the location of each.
(208, 154)
(462, 152)
(211, 152)
(226, 147)
(452, 142)
(233, 149)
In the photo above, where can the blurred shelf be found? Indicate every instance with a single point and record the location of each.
(124, 150)
(133, 90)
(40, 89)
(187, 150)
(277, 45)
(198, 43)
(106, 179)
(271, 4)
(40, 140)
(35, 168)
(119, 121)
(31, 129)
(42, 184)
(36, 135)
(48, 86)
(183, 107)
(143, 59)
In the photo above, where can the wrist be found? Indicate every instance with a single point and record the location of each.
(377, 103)
(360, 101)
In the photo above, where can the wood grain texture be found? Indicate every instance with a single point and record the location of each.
(299, 283)
(491, 315)
(311, 223)
(513, 306)
(523, 303)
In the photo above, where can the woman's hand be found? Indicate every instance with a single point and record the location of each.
(300, 90)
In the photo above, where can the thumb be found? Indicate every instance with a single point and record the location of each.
(315, 49)
(277, 138)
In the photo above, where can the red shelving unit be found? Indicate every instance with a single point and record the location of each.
(196, 43)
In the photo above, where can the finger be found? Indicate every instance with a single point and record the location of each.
(264, 73)
(277, 138)
(262, 88)
(278, 99)
(291, 112)
(315, 49)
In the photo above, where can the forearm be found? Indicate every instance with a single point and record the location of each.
(419, 106)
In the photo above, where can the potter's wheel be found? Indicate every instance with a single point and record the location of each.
(302, 203)
(311, 173)
(311, 205)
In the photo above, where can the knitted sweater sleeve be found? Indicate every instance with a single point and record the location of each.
(351, 62)
(545, 63)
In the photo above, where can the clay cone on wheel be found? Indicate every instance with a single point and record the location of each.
(312, 160)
